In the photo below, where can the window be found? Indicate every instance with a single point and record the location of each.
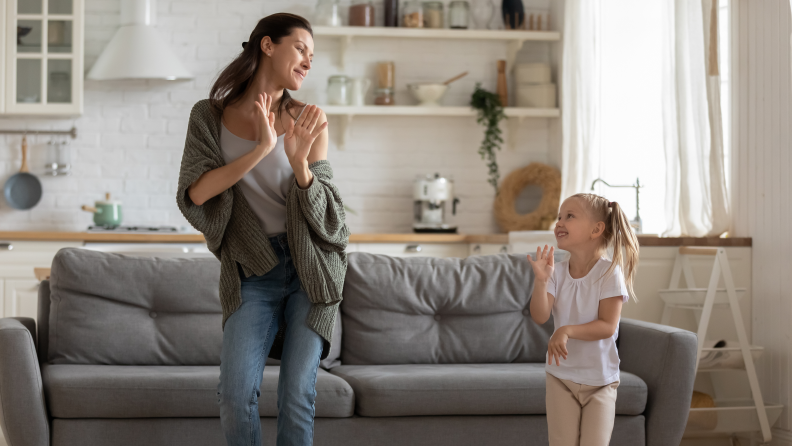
(631, 122)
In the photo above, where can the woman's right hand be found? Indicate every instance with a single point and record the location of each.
(268, 137)
(544, 264)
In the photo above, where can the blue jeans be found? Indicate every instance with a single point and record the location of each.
(267, 302)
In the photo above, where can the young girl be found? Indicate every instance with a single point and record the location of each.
(585, 295)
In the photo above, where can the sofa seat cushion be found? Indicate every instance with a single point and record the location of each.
(464, 389)
(110, 391)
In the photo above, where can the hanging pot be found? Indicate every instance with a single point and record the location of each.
(513, 14)
(107, 213)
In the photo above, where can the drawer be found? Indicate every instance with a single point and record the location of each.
(416, 249)
(18, 258)
(485, 249)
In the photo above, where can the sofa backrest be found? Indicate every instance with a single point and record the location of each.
(433, 311)
(115, 309)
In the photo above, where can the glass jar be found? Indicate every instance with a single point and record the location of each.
(458, 14)
(361, 13)
(412, 15)
(58, 160)
(328, 13)
(338, 90)
(433, 14)
(391, 12)
(384, 96)
(385, 75)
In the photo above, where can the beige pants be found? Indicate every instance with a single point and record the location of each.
(579, 415)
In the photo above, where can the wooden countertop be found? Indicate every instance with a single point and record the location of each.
(114, 237)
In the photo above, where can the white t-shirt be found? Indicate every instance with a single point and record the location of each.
(594, 363)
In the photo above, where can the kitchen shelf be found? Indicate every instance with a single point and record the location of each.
(515, 39)
(349, 112)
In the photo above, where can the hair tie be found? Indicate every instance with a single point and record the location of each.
(611, 203)
(243, 45)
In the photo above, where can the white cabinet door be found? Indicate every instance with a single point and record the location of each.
(416, 249)
(21, 298)
(43, 57)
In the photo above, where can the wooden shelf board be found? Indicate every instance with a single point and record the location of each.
(425, 33)
(415, 110)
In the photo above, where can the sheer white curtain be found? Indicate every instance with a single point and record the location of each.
(696, 191)
(580, 96)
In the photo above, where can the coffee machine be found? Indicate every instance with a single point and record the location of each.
(431, 194)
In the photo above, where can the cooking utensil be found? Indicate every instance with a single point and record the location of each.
(458, 76)
(23, 190)
(107, 213)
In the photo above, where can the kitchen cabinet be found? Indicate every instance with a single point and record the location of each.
(18, 284)
(42, 52)
(20, 298)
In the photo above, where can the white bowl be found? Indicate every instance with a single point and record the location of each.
(428, 94)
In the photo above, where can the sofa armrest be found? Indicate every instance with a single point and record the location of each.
(23, 412)
(665, 358)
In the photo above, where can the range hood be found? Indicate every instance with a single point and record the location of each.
(137, 50)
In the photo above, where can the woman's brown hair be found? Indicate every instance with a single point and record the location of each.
(617, 232)
(232, 82)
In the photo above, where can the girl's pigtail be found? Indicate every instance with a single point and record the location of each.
(623, 238)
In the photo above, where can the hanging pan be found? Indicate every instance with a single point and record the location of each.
(23, 190)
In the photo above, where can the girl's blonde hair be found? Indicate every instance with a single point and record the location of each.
(618, 232)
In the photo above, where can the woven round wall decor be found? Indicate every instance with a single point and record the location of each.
(542, 175)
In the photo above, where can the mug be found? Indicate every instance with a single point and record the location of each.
(360, 87)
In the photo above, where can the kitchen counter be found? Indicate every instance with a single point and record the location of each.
(118, 237)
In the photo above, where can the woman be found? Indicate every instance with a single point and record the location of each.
(255, 180)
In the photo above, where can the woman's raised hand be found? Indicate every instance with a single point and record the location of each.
(268, 137)
(301, 134)
(544, 264)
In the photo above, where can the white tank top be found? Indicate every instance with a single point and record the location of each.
(267, 184)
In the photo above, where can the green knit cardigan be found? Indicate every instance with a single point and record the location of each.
(315, 227)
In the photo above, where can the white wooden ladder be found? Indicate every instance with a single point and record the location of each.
(690, 298)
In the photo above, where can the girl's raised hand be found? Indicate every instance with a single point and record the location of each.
(268, 137)
(544, 264)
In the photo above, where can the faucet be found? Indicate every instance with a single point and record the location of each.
(636, 222)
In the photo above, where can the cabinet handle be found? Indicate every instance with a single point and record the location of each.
(477, 249)
(504, 249)
(413, 248)
(6, 247)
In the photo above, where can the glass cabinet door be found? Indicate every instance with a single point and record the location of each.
(48, 59)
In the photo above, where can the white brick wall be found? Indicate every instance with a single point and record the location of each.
(131, 135)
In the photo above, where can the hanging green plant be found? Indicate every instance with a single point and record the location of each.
(490, 114)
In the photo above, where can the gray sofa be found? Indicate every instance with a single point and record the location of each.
(433, 352)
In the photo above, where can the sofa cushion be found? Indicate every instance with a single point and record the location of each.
(117, 309)
(127, 310)
(111, 391)
(464, 389)
(434, 311)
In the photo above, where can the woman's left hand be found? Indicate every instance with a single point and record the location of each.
(301, 134)
(556, 348)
